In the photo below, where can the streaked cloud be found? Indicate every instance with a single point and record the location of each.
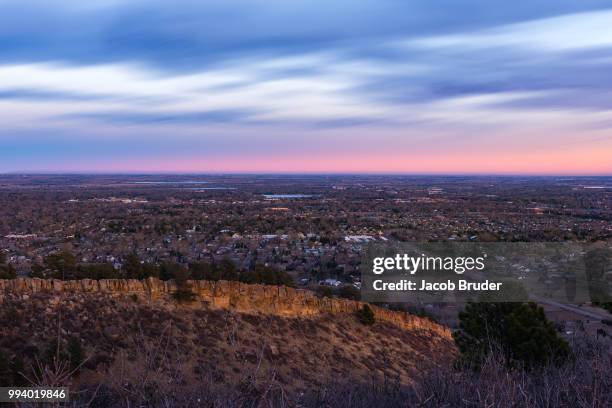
(252, 77)
(560, 33)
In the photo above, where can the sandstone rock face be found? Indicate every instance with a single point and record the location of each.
(237, 296)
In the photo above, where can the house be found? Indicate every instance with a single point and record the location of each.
(330, 282)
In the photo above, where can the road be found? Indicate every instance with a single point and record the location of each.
(574, 309)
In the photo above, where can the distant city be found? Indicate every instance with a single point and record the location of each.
(312, 227)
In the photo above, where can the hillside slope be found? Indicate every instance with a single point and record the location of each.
(137, 340)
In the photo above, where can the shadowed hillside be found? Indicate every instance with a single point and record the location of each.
(137, 341)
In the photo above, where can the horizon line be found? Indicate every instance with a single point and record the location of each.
(259, 173)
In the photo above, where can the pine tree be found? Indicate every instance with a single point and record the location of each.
(520, 331)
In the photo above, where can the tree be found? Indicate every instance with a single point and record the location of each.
(132, 267)
(7, 272)
(149, 270)
(38, 271)
(203, 271)
(97, 271)
(227, 270)
(349, 292)
(61, 265)
(326, 291)
(365, 315)
(266, 275)
(520, 331)
(170, 270)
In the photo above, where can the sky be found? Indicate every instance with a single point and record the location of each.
(306, 86)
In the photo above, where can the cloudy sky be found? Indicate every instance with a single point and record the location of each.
(384, 86)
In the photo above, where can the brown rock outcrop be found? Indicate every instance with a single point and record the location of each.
(240, 297)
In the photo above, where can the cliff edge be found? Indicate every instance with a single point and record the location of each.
(224, 295)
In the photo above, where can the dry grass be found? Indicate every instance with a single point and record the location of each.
(145, 356)
(157, 354)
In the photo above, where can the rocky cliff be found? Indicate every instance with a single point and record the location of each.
(243, 298)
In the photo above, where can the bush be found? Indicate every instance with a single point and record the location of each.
(60, 265)
(97, 271)
(266, 275)
(365, 315)
(584, 382)
(184, 295)
(169, 270)
(349, 292)
(224, 270)
(134, 269)
(520, 331)
(325, 291)
(7, 272)
(51, 352)
(6, 374)
(203, 271)
(75, 352)
(10, 371)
